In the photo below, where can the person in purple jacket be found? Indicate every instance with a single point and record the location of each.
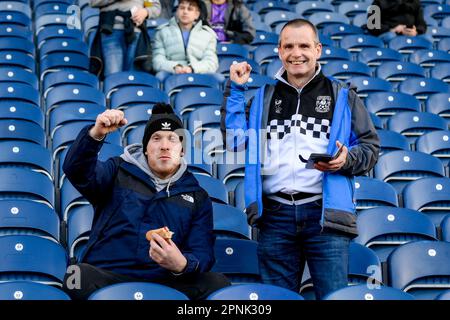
(146, 188)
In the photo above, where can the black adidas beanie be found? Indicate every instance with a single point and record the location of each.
(162, 119)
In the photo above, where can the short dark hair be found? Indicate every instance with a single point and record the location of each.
(297, 23)
(195, 3)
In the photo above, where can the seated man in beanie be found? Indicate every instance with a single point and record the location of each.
(146, 188)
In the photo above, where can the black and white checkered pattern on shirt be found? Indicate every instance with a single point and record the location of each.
(314, 127)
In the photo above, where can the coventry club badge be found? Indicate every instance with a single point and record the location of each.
(323, 104)
(278, 108)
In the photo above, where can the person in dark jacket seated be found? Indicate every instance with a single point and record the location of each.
(146, 188)
(399, 17)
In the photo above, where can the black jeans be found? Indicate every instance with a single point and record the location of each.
(197, 286)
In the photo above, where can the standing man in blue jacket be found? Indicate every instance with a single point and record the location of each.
(303, 214)
(146, 188)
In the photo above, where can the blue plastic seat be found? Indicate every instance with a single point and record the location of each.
(58, 32)
(234, 50)
(436, 11)
(79, 224)
(415, 124)
(376, 120)
(226, 62)
(214, 187)
(360, 20)
(231, 169)
(420, 268)
(57, 45)
(352, 8)
(230, 222)
(74, 77)
(70, 199)
(385, 228)
(361, 292)
(435, 202)
(119, 80)
(26, 290)
(265, 38)
(279, 17)
(136, 116)
(337, 31)
(334, 53)
(443, 296)
(306, 8)
(130, 96)
(16, 6)
(441, 71)
(387, 104)
(429, 58)
(19, 91)
(377, 56)
(368, 85)
(265, 53)
(26, 155)
(17, 59)
(370, 193)
(444, 45)
(46, 20)
(57, 61)
(22, 216)
(137, 291)
(322, 19)
(237, 259)
(19, 110)
(177, 82)
(14, 18)
(401, 167)
(263, 7)
(12, 30)
(203, 119)
(50, 8)
(445, 228)
(273, 67)
(191, 98)
(13, 44)
(438, 33)
(344, 70)
(22, 130)
(32, 258)
(397, 71)
(436, 143)
(254, 291)
(406, 44)
(358, 42)
(391, 141)
(439, 103)
(18, 75)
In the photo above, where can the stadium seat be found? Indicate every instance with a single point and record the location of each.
(17, 59)
(337, 31)
(397, 71)
(72, 77)
(334, 53)
(273, 67)
(22, 216)
(63, 46)
(306, 8)
(264, 38)
(423, 88)
(13, 45)
(444, 45)
(263, 7)
(358, 42)
(401, 167)
(226, 62)
(387, 104)
(46, 20)
(26, 290)
(420, 268)
(415, 124)
(191, 98)
(435, 202)
(439, 104)
(15, 18)
(407, 45)
(441, 71)
(445, 228)
(351, 8)
(254, 291)
(370, 193)
(198, 162)
(203, 119)
(239, 196)
(436, 143)
(230, 222)
(265, 54)
(391, 141)
(20, 110)
(444, 295)
(215, 188)
(376, 120)
(360, 20)
(344, 70)
(178, 82)
(383, 229)
(237, 259)
(11, 30)
(58, 32)
(130, 96)
(137, 291)
(55, 62)
(19, 91)
(322, 19)
(436, 11)
(362, 292)
(119, 80)
(377, 56)
(70, 199)
(22, 154)
(16, 6)
(230, 169)
(31, 258)
(279, 17)
(79, 224)
(55, 7)
(233, 50)
(429, 58)
(22, 130)
(438, 33)
(367, 85)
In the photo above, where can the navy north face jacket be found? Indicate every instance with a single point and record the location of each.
(127, 205)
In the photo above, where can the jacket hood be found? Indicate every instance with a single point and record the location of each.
(134, 154)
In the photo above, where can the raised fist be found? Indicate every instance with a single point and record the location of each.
(107, 122)
(240, 72)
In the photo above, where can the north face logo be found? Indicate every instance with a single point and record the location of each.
(187, 198)
(165, 126)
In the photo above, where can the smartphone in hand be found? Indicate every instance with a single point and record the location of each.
(322, 157)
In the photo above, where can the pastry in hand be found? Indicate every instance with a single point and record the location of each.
(163, 232)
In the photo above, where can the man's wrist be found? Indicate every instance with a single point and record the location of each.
(96, 136)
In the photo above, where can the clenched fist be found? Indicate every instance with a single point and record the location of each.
(107, 122)
(240, 72)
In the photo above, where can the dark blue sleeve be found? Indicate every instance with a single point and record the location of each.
(92, 178)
